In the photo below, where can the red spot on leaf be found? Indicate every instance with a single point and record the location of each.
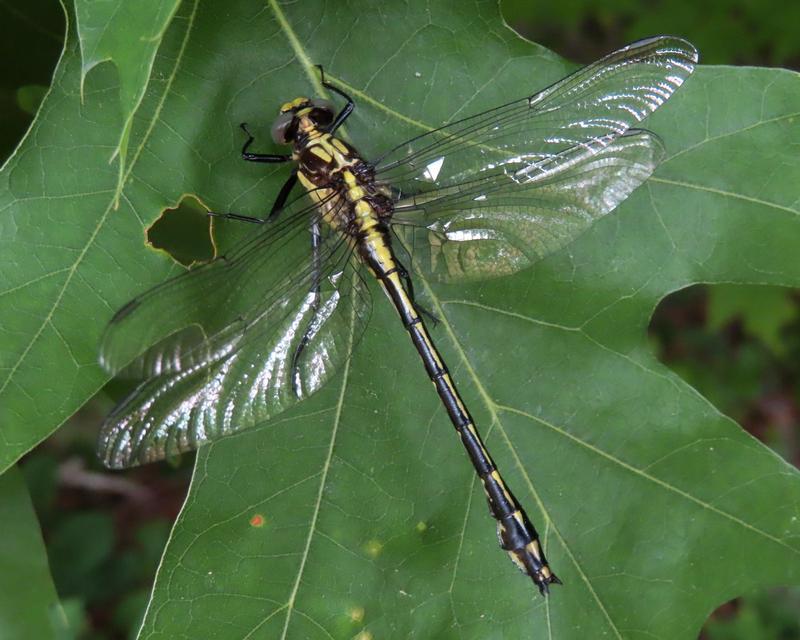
(257, 520)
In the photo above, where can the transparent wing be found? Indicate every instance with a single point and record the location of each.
(265, 333)
(501, 223)
(588, 108)
(491, 194)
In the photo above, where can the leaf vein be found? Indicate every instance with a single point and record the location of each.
(651, 478)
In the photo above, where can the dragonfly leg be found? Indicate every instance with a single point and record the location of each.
(316, 242)
(348, 108)
(409, 284)
(283, 195)
(235, 216)
(277, 206)
(260, 157)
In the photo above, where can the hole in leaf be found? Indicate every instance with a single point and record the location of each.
(739, 346)
(184, 233)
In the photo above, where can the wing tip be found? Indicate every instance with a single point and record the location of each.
(667, 44)
(104, 357)
(653, 141)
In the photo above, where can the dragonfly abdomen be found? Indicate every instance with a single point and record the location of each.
(516, 534)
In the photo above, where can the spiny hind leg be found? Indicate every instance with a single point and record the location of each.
(316, 267)
(409, 284)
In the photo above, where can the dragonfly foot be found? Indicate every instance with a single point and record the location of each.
(235, 216)
(429, 315)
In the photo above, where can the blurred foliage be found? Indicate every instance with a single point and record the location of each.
(763, 616)
(104, 533)
(765, 312)
(754, 32)
(31, 35)
(737, 345)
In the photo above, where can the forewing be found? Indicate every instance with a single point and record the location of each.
(255, 378)
(513, 216)
(589, 108)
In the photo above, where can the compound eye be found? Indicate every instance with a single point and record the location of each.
(322, 111)
(320, 103)
(280, 128)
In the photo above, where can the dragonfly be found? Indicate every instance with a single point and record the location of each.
(234, 342)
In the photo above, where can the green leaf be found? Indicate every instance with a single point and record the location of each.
(127, 34)
(28, 601)
(654, 507)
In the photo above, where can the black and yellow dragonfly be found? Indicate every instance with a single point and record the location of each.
(236, 341)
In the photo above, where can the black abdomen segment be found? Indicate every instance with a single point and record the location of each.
(516, 533)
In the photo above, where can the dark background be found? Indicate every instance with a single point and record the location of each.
(738, 345)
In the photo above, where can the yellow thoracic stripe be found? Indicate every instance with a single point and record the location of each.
(319, 151)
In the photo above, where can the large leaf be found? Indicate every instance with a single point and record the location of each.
(28, 601)
(357, 510)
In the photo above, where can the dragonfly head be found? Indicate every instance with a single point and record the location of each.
(300, 115)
